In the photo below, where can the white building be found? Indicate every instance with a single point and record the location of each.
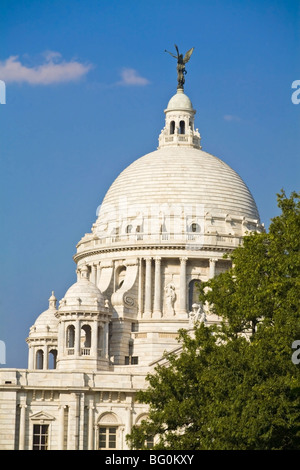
(163, 226)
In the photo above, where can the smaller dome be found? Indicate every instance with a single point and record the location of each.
(46, 322)
(180, 101)
(83, 294)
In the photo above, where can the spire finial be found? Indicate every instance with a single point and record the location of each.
(181, 61)
(52, 301)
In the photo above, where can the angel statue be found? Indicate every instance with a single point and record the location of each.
(181, 61)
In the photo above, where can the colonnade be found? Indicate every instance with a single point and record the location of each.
(155, 310)
(39, 356)
(150, 303)
(96, 338)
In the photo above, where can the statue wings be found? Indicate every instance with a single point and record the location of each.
(188, 55)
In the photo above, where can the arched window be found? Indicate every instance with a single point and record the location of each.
(52, 359)
(129, 229)
(40, 359)
(108, 432)
(182, 127)
(100, 341)
(85, 340)
(195, 228)
(193, 293)
(120, 277)
(172, 127)
(70, 338)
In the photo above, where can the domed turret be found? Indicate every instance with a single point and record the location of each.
(179, 129)
(42, 339)
(83, 327)
(82, 295)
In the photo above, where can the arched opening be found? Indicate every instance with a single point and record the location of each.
(139, 235)
(129, 229)
(70, 337)
(52, 359)
(195, 228)
(120, 276)
(108, 432)
(85, 340)
(182, 127)
(40, 359)
(193, 293)
(100, 341)
(172, 127)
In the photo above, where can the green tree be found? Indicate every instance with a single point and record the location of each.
(235, 386)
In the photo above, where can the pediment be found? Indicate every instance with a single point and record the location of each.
(41, 416)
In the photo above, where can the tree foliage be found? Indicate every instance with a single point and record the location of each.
(228, 389)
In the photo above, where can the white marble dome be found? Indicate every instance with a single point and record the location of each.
(175, 190)
(46, 323)
(180, 101)
(183, 176)
(82, 295)
(177, 185)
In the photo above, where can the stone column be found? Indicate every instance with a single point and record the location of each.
(61, 430)
(128, 423)
(30, 357)
(140, 291)
(148, 290)
(22, 429)
(61, 341)
(91, 426)
(94, 340)
(76, 420)
(46, 358)
(157, 288)
(77, 338)
(183, 285)
(98, 272)
(93, 274)
(212, 267)
(105, 340)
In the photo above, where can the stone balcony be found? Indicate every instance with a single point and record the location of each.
(187, 241)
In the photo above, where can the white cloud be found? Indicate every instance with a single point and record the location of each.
(53, 70)
(231, 117)
(131, 77)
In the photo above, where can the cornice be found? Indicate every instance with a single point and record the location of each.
(78, 256)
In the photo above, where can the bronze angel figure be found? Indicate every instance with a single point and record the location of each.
(181, 61)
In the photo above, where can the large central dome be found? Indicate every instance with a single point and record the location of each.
(175, 194)
(183, 177)
(177, 189)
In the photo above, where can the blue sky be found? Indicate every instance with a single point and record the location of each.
(86, 86)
